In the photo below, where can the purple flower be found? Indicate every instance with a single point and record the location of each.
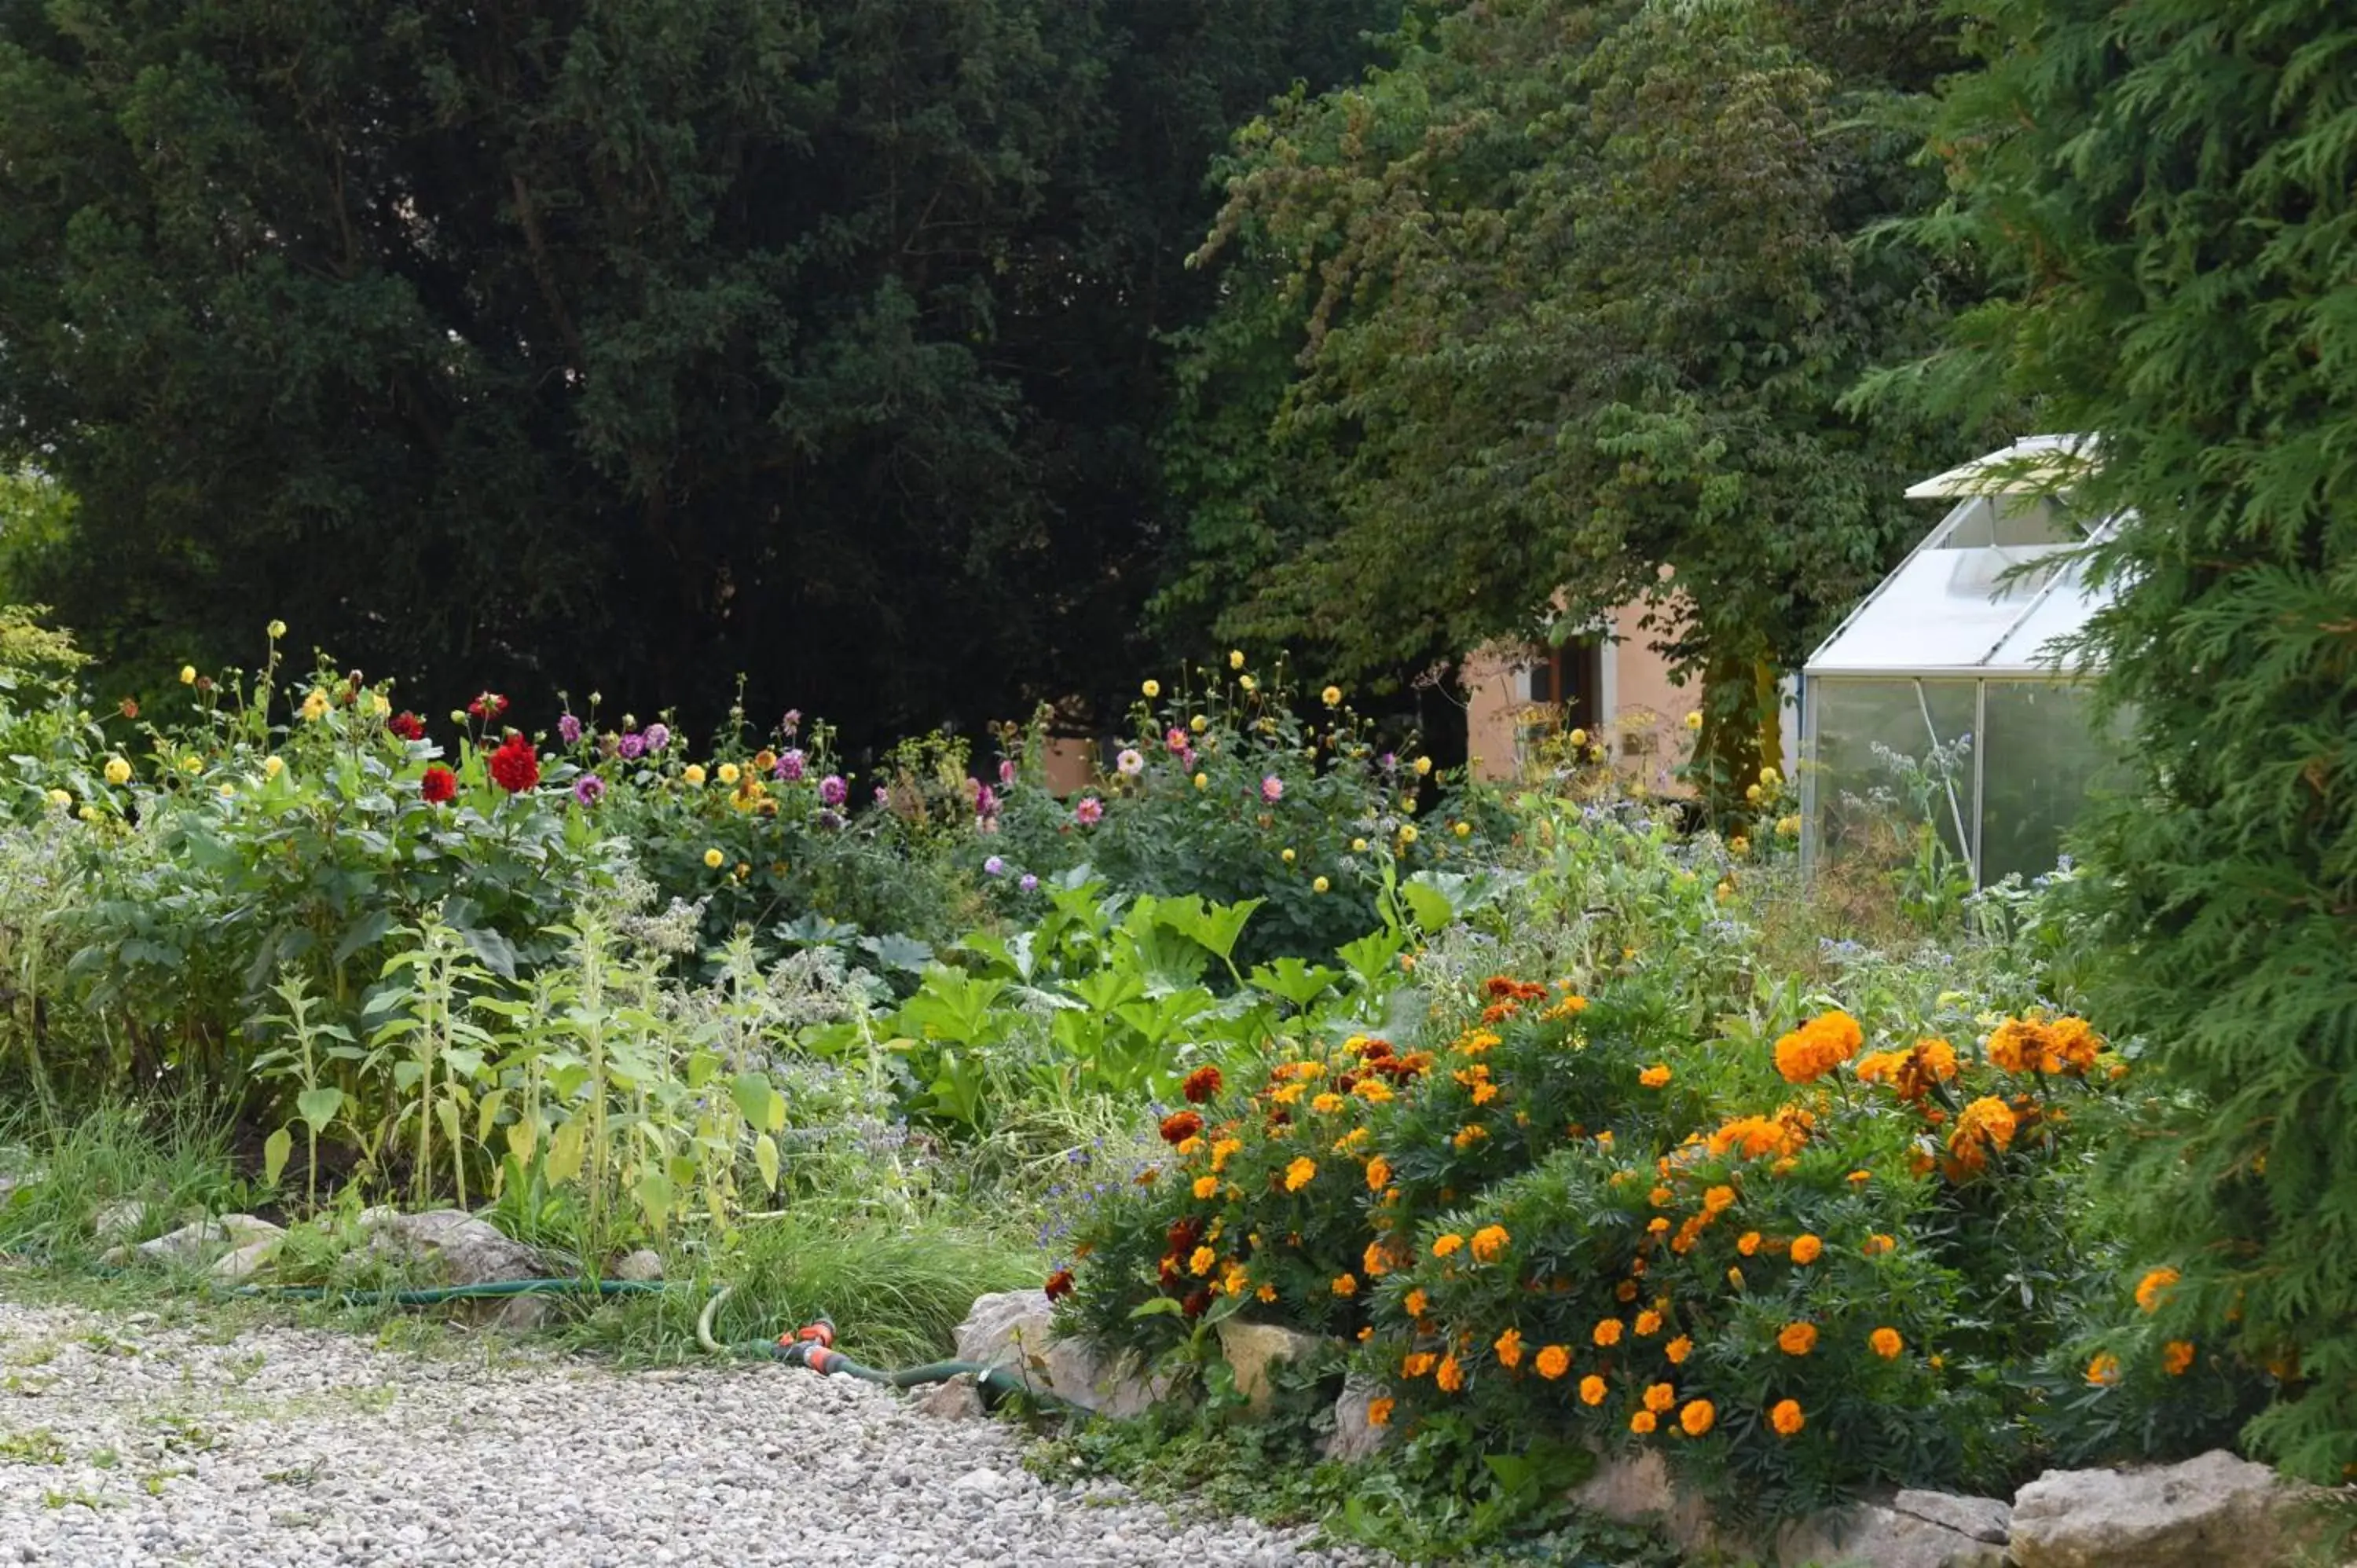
(792, 722)
(1389, 761)
(658, 736)
(568, 729)
(830, 819)
(1006, 773)
(632, 746)
(833, 791)
(1029, 884)
(588, 788)
(1272, 789)
(792, 764)
(883, 796)
(1090, 811)
(1187, 758)
(993, 866)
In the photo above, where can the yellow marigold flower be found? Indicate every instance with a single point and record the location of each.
(2177, 1358)
(1886, 1343)
(1806, 1249)
(1469, 1134)
(1552, 1362)
(1189, 1146)
(1643, 1422)
(1201, 1264)
(187, 674)
(728, 773)
(714, 859)
(1346, 1284)
(1678, 1349)
(2075, 1042)
(1698, 1417)
(1327, 1104)
(2152, 1290)
(118, 772)
(1415, 1304)
(1660, 1396)
(1608, 1332)
(1267, 1292)
(1152, 689)
(1349, 1142)
(1205, 1186)
(272, 766)
(1786, 1418)
(1488, 1243)
(1509, 1348)
(1448, 1244)
(1648, 1323)
(1591, 1390)
(1748, 1243)
(1797, 1339)
(1419, 1363)
(1655, 1077)
(2103, 1370)
(1286, 1094)
(1236, 1278)
(1224, 1150)
(1378, 1411)
(1300, 1174)
(1461, 828)
(1373, 1091)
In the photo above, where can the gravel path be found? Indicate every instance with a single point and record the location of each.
(123, 1440)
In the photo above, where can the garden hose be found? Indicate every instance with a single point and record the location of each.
(812, 1346)
(435, 1295)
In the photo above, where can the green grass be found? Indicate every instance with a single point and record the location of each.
(172, 1159)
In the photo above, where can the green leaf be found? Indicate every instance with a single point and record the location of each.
(274, 1151)
(317, 1107)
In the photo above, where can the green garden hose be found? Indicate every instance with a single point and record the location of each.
(435, 1295)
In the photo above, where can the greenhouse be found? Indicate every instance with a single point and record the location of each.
(1944, 725)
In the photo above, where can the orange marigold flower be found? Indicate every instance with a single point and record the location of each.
(1879, 1243)
(2020, 1044)
(1660, 1396)
(1648, 1322)
(1469, 1134)
(1552, 1362)
(1608, 1332)
(1449, 1375)
(1448, 1244)
(1378, 1411)
(1806, 1249)
(2103, 1370)
(2153, 1291)
(1591, 1390)
(1678, 1349)
(1657, 1225)
(1201, 1264)
(2176, 1358)
(1346, 1284)
(1880, 1066)
(1786, 1417)
(1643, 1422)
(1748, 1243)
(1415, 1304)
(1986, 1120)
(2075, 1041)
(1886, 1343)
(1698, 1417)
(1660, 1196)
(1797, 1339)
(1419, 1363)
(1488, 1243)
(1376, 1261)
(1300, 1173)
(1267, 1291)
(1379, 1174)
(1509, 1348)
(1655, 1077)
(1818, 1047)
(1718, 1199)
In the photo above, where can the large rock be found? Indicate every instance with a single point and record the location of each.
(642, 1267)
(1635, 1489)
(119, 1220)
(1912, 1529)
(1356, 1436)
(1253, 1352)
(459, 1249)
(195, 1245)
(1013, 1328)
(2213, 1511)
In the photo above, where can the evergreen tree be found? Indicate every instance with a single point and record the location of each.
(2164, 187)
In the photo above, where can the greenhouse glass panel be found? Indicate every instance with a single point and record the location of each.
(2045, 757)
(1891, 756)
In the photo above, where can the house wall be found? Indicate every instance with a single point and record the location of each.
(1644, 712)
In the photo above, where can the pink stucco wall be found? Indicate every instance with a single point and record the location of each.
(1644, 715)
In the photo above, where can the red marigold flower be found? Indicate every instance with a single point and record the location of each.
(1058, 1284)
(1202, 1085)
(1196, 1304)
(1181, 1125)
(407, 725)
(515, 766)
(438, 785)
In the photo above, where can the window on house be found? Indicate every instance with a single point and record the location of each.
(1570, 678)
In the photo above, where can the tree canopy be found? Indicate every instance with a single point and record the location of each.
(628, 343)
(1552, 314)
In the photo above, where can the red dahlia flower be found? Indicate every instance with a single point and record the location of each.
(488, 706)
(515, 766)
(407, 725)
(1202, 1085)
(438, 786)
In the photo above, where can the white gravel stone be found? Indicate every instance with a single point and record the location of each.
(127, 1441)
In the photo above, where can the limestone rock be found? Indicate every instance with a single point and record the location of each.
(241, 1263)
(1886, 1535)
(1355, 1436)
(643, 1266)
(1012, 1328)
(461, 1249)
(954, 1400)
(119, 1220)
(1635, 1487)
(194, 1244)
(1253, 1351)
(2213, 1511)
